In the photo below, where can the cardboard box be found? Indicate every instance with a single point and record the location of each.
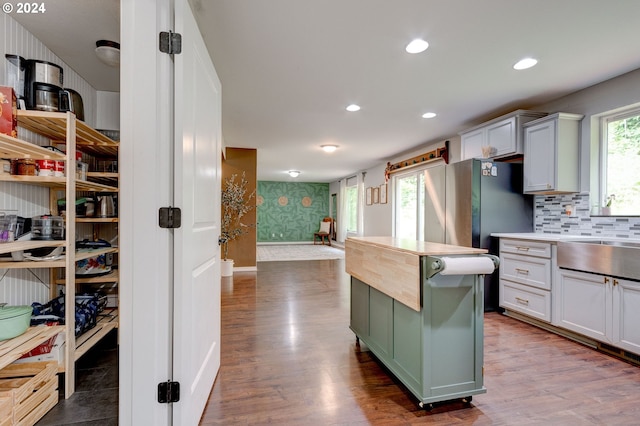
(8, 112)
(51, 350)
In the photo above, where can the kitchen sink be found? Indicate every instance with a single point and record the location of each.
(615, 258)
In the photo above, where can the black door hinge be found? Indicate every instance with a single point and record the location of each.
(168, 392)
(170, 217)
(170, 42)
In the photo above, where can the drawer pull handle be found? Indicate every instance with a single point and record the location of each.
(524, 302)
(522, 271)
(521, 248)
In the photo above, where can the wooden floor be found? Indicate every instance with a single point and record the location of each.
(289, 358)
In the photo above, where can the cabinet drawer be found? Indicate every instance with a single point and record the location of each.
(529, 270)
(529, 248)
(527, 300)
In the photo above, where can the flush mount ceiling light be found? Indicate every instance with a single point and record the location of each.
(329, 148)
(525, 63)
(428, 115)
(293, 173)
(108, 52)
(353, 108)
(417, 46)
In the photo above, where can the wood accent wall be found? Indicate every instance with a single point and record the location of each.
(237, 161)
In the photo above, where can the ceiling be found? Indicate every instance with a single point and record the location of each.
(290, 67)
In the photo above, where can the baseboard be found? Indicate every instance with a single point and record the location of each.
(245, 269)
(283, 243)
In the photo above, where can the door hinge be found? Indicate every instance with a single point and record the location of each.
(170, 217)
(170, 42)
(168, 392)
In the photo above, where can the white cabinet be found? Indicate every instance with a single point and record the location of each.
(582, 303)
(626, 314)
(604, 308)
(526, 278)
(500, 137)
(551, 154)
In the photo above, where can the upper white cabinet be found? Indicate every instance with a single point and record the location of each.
(500, 137)
(551, 149)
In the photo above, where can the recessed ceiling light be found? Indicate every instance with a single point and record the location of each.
(293, 173)
(329, 148)
(428, 115)
(416, 46)
(353, 108)
(525, 63)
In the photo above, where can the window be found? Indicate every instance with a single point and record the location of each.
(409, 205)
(620, 163)
(351, 196)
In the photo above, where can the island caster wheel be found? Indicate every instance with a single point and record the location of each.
(467, 401)
(427, 407)
(357, 341)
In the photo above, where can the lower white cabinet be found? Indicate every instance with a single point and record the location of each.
(603, 308)
(583, 303)
(626, 315)
(526, 278)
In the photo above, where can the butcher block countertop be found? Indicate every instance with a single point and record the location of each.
(420, 248)
(392, 265)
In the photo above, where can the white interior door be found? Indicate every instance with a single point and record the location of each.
(196, 331)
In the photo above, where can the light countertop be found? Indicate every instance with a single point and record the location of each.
(420, 248)
(539, 236)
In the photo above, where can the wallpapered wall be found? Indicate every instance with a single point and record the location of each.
(289, 211)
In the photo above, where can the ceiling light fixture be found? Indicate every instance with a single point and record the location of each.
(108, 52)
(353, 108)
(525, 63)
(329, 148)
(293, 173)
(428, 115)
(417, 46)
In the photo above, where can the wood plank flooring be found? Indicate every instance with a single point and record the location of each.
(289, 358)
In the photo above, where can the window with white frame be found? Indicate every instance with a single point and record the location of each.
(408, 202)
(620, 162)
(351, 197)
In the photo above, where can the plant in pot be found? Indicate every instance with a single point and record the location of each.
(236, 203)
(606, 210)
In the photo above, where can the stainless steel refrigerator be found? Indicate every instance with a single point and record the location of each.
(466, 201)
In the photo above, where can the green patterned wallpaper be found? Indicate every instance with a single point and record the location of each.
(290, 211)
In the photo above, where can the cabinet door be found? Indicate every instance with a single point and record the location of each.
(501, 137)
(359, 307)
(626, 315)
(583, 304)
(472, 143)
(380, 323)
(540, 157)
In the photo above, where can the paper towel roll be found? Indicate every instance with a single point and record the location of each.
(466, 265)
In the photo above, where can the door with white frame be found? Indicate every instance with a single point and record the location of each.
(198, 136)
(170, 286)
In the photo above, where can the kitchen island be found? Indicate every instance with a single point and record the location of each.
(418, 306)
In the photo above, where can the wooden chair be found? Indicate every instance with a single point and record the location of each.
(325, 231)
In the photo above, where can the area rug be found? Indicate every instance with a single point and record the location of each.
(271, 253)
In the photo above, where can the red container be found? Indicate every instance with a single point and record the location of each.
(8, 112)
(58, 169)
(46, 167)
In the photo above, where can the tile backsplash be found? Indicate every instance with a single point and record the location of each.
(553, 217)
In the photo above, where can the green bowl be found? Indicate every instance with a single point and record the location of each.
(14, 321)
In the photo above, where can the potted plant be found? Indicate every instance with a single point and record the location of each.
(236, 203)
(606, 210)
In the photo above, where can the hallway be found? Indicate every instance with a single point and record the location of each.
(289, 357)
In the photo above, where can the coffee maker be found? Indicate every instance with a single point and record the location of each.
(43, 83)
